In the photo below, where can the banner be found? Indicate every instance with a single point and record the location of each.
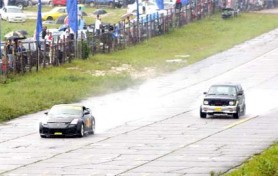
(39, 21)
(184, 2)
(72, 15)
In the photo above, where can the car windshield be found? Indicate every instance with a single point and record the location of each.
(222, 90)
(58, 9)
(13, 10)
(65, 110)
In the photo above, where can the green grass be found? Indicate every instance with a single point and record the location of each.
(264, 164)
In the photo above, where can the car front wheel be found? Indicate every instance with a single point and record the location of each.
(236, 115)
(202, 115)
(81, 131)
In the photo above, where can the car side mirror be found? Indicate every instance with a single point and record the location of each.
(205, 93)
(240, 93)
(86, 112)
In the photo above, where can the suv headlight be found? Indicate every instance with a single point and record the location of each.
(206, 102)
(231, 103)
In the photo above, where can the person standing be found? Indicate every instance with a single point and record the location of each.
(178, 5)
(9, 51)
(1, 3)
(97, 25)
(44, 32)
(51, 47)
(4, 65)
(80, 11)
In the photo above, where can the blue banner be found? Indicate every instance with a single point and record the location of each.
(72, 15)
(184, 2)
(160, 4)
(39, 21)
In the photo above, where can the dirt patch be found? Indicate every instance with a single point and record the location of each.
(148, 72)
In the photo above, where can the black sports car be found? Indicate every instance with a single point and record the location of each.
(67, 120)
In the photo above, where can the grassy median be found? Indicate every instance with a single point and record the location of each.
(264, 164)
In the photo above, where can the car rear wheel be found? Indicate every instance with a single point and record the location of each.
(81, 131)
(43, 136)
(93, 126)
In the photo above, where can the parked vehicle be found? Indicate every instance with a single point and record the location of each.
(110, 3)
(55, 13)
(12, 14)
(44, 2)
(227, 99)
(59, 2)
(19, 3)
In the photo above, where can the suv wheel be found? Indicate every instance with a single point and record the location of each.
(202, 115)
(236, 115)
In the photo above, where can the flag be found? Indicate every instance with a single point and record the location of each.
(137, 10)
(160, 4)
(184, 2)
(72, 15)
(39, 21)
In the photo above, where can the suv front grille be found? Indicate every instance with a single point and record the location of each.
(218, 102)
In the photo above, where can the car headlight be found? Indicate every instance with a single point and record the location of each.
(231, 103)
(74, 122)
(206, 102)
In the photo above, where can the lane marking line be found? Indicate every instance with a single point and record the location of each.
(239, 122)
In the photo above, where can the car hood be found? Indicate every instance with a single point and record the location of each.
(222, 97)
(61, 118)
